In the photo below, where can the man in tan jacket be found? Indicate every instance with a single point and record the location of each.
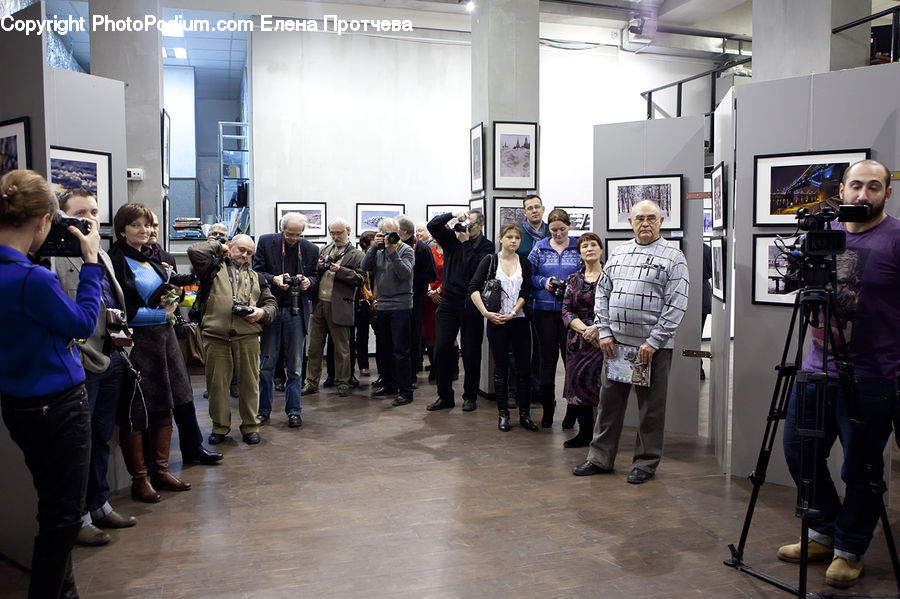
(238, 304)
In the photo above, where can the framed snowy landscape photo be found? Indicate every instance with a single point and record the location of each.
(515, 155)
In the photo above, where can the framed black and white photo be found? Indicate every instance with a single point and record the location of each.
(609, 244)
(15, 144)
(477, 205)
(718, 268)
(580, 218)
(676, 241)
(315, 213)
(368, 216)
(72, 168)
(515, 155)
(717, 178)
(476, 157)
(507, 210)
(432, 210)
(784, 183)
(624, 192)
(707, 222)
(771, 282)
(166, 147)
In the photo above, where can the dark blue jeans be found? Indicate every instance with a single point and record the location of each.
(103, 390)
(849, 525)
(287, 334)
(393, 343)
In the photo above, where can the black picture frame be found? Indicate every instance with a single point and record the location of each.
(617, 213)
(476, 158)
(580, 217)
(478, 205)
(74, 168)
(432, 210)
(763, 271)
(318, 224)
(166, 148)
(719, 191)
(717, 248)
(514, 168)
(368, 212)
(15, 144)
(611, 243)
(503, 210)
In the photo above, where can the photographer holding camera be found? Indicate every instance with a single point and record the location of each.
(289, 266)
(391, 263)
(237, 304)
(868, 283)
(42, 393)
(552, 259)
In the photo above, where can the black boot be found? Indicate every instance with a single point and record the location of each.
(585, 417)
(525, 420)
(503, 423)
(548, 401)
(570, 417)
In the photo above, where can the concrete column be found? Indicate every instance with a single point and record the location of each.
(505, 76)
(793, 37)
(136, 59)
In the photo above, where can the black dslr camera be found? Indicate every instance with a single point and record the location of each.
(557, 288)
(62, 242)
(241, 308)
(392, 238)
(293, 283)
(461, 227)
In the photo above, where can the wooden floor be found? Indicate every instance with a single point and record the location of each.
(366, 500)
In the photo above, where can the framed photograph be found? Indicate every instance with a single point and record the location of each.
(506, 210)
(477, 205)
(476, 157)
(314, 212)
(515, 155)
(676, 241)
(718, 268)
(624, 192)
(432, 210)
(368, 216)
(717, 178)
(72, 168)
(166, 147)
(15, 144)
(784, 183)
(769, 269)
(707, 222)
(610, 244)
(581, 218)
(164, 223)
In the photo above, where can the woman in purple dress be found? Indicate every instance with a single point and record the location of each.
(584, 360)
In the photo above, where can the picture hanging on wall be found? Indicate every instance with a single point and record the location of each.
(71, 168)
(676, 241)
(476, 157)
(506, 210)
(164, 223)
(368, 216)
(717, 177)
(624, 192)
(432, 210)
(15, 144)
(770, 267)
(707, 222)
(609, 244)
(580, 218)
(784, 183)
(477, 205)
(166, 147)
(718, 268)
(515, 155)
(314, 212)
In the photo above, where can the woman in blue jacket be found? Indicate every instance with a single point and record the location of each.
(552, 259)
(42, 393)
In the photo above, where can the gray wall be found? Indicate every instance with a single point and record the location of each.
(855, 108)
(662, 147)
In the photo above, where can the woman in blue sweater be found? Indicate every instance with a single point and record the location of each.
(552, 259)
(42, 393)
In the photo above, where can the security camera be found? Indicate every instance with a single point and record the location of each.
(636, 25)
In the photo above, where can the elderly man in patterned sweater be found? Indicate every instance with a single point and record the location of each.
(641, 298)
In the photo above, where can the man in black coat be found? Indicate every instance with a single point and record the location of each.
(424, 272)
(288, 264)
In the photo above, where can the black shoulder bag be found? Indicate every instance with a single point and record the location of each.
(490, 293)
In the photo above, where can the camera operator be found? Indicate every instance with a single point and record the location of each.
(340, 275)
(42, 391)
(237, 305)
(288, 265)
(424, 273)
(868, 285)
(218, 232)
(552, 259)
(391, 262)
(464, 247)
(104, 371)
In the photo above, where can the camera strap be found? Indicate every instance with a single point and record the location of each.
(231, 277)
(299, 258)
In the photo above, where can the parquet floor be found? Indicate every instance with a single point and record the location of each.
(366, 500)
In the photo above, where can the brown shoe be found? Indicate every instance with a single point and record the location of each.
(132, 445)
(115, 520)
(160, 443)
(815, 552)
(91, 536)
(843, 573)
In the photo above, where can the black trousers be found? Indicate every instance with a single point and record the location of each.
(513, 337)
(452, 317)
(54, 433)
(551, 338)
(415, 335)
(393, 343)
(361, 334)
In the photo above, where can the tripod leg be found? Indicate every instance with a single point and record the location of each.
(892, 548)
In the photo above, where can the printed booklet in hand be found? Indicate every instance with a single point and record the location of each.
(625, 367)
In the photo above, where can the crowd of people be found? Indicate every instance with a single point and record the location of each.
(99, 345)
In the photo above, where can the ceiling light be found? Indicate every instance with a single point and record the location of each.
(180, 53)
(470, 6)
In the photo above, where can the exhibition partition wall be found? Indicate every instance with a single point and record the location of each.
(851, 109)
(646, 149)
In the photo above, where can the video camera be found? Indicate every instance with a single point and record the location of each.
(62, 242)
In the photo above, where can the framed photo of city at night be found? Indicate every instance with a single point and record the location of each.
(785, 183)
(622, 193)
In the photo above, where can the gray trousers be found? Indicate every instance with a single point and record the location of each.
(652, 417)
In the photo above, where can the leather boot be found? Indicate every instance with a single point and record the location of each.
(525, 420)
(548, 401)
(503, 423)
(160, 442)
(570, 417)
(585, 417)
(132, 445)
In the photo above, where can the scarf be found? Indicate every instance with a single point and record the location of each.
(536, 235)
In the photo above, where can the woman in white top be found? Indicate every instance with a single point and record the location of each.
(508, 329)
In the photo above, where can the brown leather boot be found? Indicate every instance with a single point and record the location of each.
(160, 442)
(132, 445)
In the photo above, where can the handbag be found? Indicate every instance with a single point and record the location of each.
(192, 346)
(132, 410)
(490, 292)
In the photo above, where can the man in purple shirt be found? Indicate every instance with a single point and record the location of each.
(868, 285)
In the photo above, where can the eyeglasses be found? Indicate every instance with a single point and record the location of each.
(650, 219)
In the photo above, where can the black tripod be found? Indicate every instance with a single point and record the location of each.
(815, 303)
